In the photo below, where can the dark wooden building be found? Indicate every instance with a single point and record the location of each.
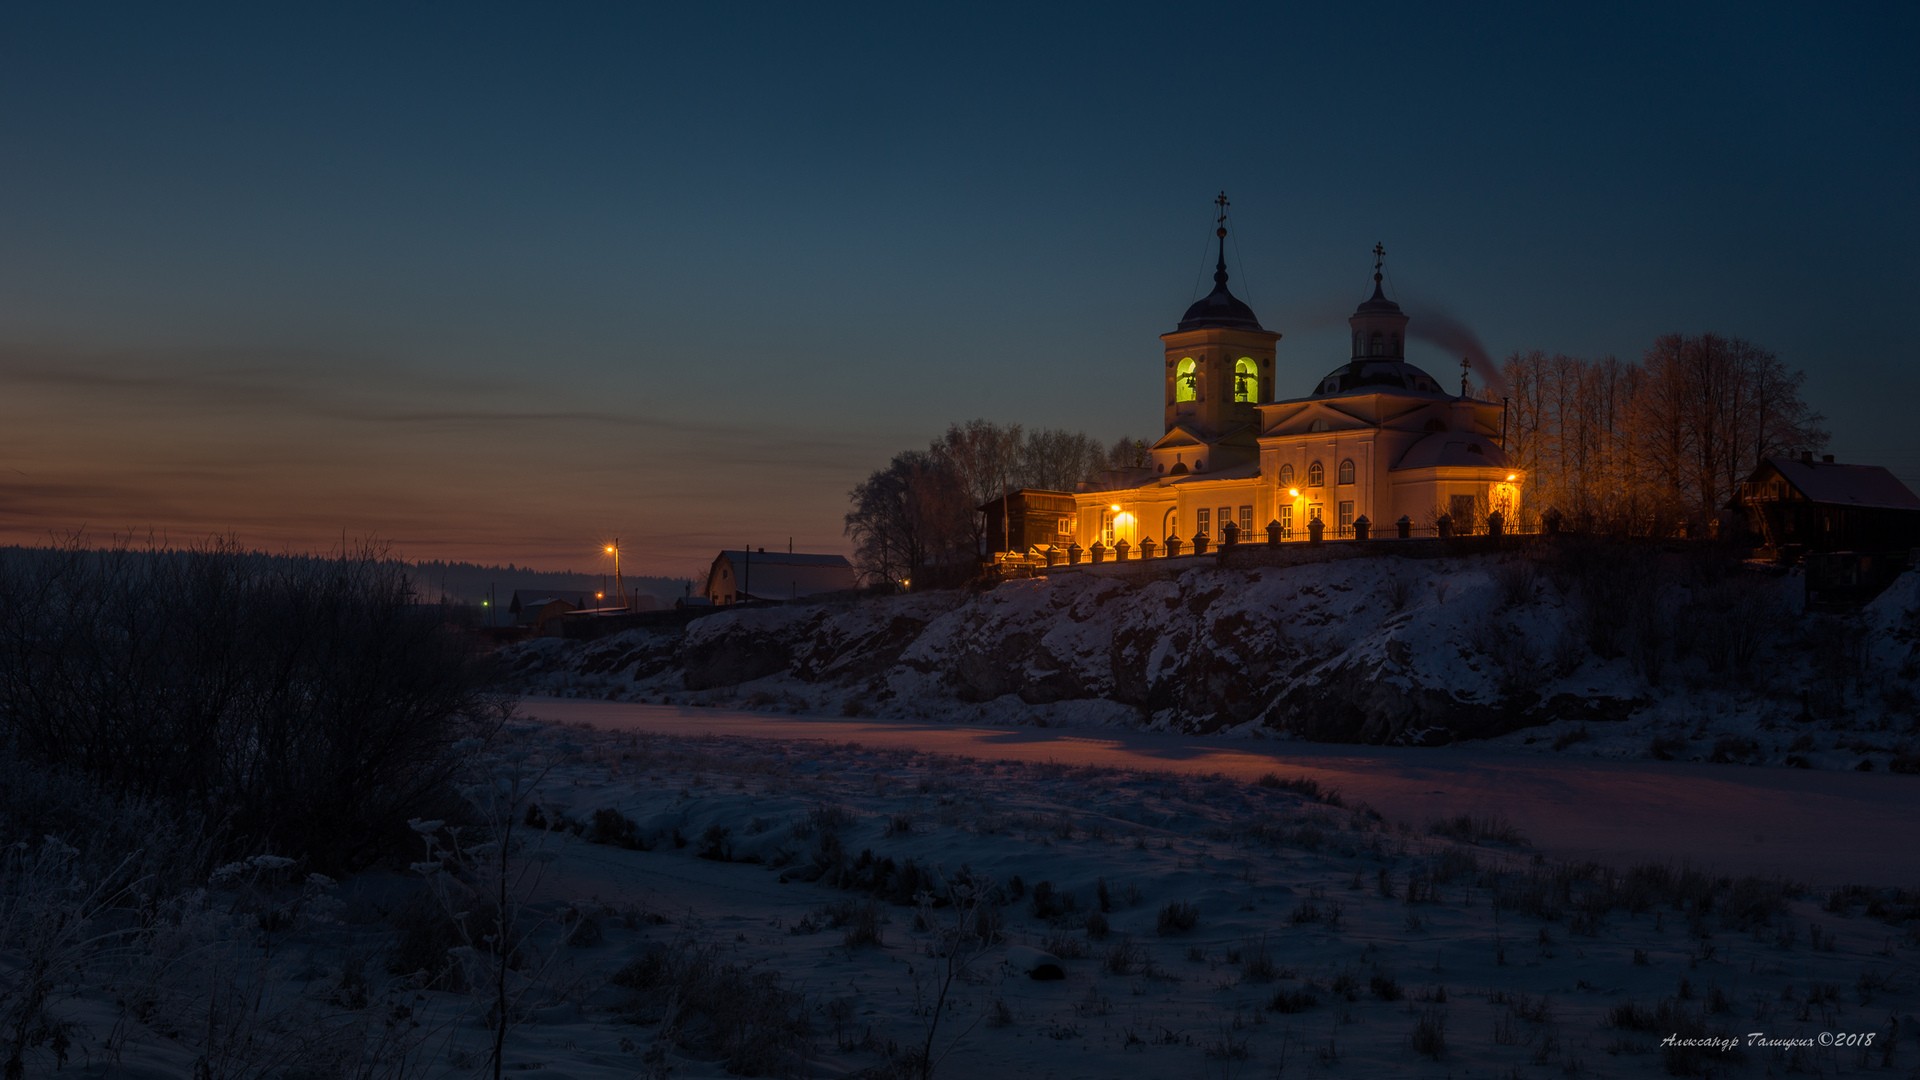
(1030, 520)
(1823, 505)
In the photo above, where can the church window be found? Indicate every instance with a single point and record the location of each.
(1246, 522)
(1286, 474)
(1246, 381)
(1396, 346)
(1316, 475)
(1346, 517)
(1201, 519)
(1373, 344)
(1226, 515)
(1346, 471)
(1286, 521)
(1186, 379)
(1106, 527)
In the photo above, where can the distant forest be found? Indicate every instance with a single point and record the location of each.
(436, 580)
(467, 583)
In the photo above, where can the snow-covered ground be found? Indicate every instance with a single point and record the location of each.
(851, 840)
(1820, 828)
(776, 903)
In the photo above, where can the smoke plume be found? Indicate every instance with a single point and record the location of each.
(1440, 329)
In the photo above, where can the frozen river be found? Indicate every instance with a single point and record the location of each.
(1822, 828)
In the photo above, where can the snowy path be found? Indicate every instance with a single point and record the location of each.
(1821, 828)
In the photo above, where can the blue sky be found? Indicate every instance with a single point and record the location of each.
(499, 282)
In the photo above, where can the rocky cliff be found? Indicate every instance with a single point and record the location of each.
(1380, 650)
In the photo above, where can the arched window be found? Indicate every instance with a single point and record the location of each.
(1373, 344)
(1186, 378)
(1346, 471)
(1246, 381)
(1316, 475)
(1396, 346)
(1286, 474)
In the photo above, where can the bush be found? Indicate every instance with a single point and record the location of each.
(252, 688)
(1177, 918)
(1292, 1001)
(749, 1020)
(1430, 1034)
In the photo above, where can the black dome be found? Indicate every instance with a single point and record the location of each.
(1219, 308)
(1378, 304)
(1395, 374)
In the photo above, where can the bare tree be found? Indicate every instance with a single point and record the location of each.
(1639, 448)
(1054, 459)
(908, 518)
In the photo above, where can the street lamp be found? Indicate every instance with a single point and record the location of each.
(619, 590)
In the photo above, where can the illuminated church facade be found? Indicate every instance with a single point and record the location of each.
(1376, 439)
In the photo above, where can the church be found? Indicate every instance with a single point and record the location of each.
(1375, 443)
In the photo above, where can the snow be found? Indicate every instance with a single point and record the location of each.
(1323, 938)
(1383, 649)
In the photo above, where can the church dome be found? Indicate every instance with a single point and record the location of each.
(1379, 347)
(1219, 308)
(1385, 374)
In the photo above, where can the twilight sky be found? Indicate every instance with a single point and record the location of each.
(501, 282)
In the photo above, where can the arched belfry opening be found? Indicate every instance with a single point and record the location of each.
(1219, 359)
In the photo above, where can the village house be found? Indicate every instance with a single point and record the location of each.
(738, 577)
(1825, 505)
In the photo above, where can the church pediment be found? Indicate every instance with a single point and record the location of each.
(1185, 438)
(1180, 438)
(1310, 417)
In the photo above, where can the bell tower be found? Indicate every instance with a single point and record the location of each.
(1219, 359)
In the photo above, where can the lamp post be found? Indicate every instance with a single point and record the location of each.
(613, 549)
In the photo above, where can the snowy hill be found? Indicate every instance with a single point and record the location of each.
(1611, 650)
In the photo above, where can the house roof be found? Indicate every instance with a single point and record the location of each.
(535, 599)
(1846, 485)
(782, 558)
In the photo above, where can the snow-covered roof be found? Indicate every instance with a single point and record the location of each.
(783, 558)
(1237, 472)
(1846, 485)
(1451, 449)
(535, 599)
